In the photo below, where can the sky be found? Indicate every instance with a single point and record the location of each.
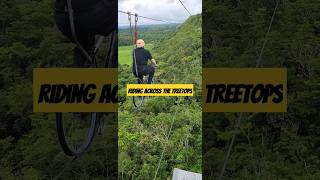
(169, 10)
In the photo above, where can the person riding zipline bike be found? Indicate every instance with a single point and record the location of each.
(91, 17)
(141, 56)
(81, 21)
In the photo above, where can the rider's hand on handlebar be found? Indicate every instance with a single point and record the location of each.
(154, 63)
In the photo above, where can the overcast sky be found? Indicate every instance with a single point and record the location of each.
(170, 10)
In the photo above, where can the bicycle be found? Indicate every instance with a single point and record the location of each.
(138, 101)
(76, 137)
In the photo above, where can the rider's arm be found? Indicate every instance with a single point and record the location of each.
(150, 58)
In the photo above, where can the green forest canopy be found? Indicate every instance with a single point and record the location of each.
(150, 33)
(29, 147)
(268, 145)
(142, 133)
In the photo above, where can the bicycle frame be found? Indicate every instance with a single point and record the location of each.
(95, 123)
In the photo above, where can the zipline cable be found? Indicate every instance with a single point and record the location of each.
(185, 7)
(153, 19)
(165, 145)
(230, 147)
(241, 114)
(145, 17)
(267, 34)
(133, 35)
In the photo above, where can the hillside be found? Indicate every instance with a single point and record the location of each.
(142, 133)
(29, 147)
(150, 33)
(179, 55)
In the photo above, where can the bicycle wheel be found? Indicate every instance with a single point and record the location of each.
(138, 101)
(76, 131)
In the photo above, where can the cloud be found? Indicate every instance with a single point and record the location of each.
(169, 10)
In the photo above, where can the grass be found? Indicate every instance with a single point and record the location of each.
(125, 53)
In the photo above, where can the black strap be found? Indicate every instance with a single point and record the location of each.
(134, 47)
(73, 31)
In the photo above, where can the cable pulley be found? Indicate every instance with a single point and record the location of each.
(136, 28)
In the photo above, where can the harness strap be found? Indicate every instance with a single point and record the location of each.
(73, 32)
(136, 29)
(134, 47)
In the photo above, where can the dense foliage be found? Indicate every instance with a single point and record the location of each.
(144, 131)
(150, 33)
(29, 147)
(268, 145)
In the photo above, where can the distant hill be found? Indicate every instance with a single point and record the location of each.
(150, 33)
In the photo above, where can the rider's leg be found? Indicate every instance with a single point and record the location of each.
(140, 79)
(150, 72)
